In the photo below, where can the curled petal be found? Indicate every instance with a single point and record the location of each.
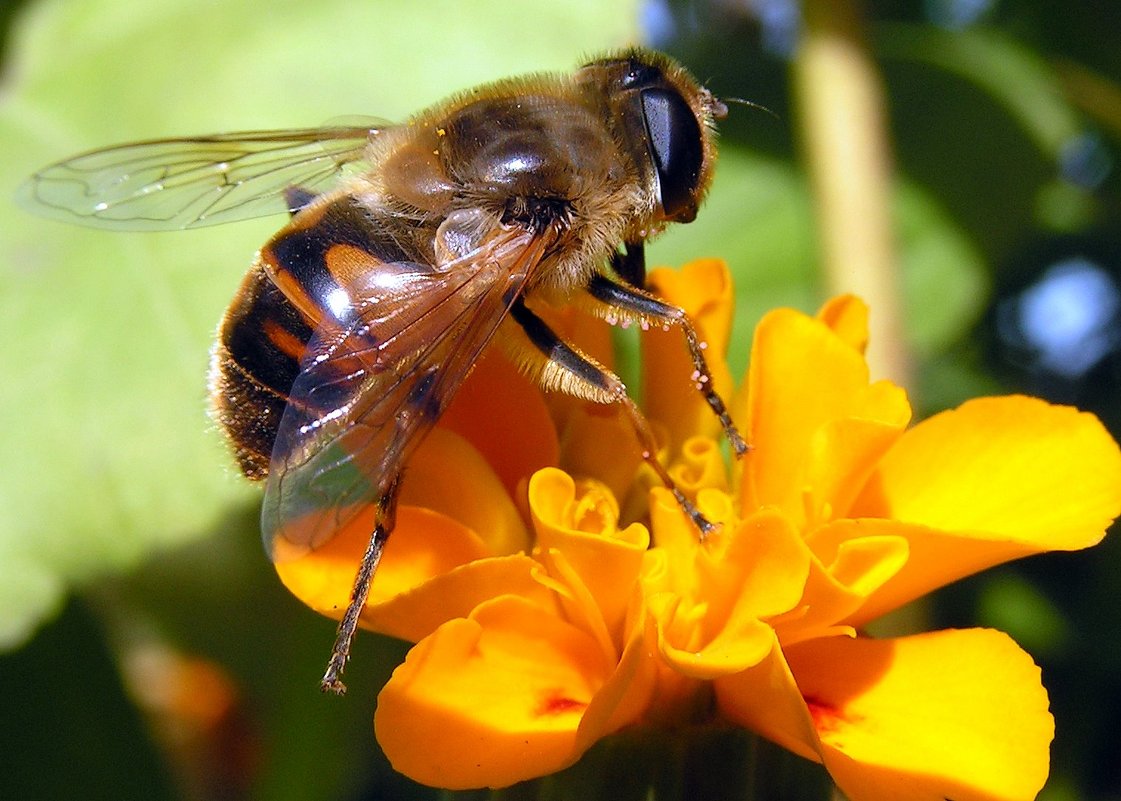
(701, 466)
(599, 441)
(843, 453)
(416, 612)
(676, 540)
(581, 522)
(934, 559)
(563, 509)
(950, 714)
(851, 562)
(766, 699)
(847, 317)
(630, 690)
(744, 575)
(742, 643)
(490, 700)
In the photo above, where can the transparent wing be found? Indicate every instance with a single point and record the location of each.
(169, 184)
(366, 395)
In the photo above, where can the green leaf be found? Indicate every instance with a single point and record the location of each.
(945, 277)
(1016, 76)
(108, 452)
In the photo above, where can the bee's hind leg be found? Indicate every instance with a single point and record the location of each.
(340, 654)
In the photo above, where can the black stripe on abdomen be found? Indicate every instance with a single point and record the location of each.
(298, 257)
(261, 341)
(288, 294)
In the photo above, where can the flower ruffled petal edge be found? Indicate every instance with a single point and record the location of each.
(425, 545)
(808, 403)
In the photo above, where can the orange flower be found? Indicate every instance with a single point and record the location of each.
(535, 641)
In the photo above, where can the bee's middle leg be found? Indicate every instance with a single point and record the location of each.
(566, 369)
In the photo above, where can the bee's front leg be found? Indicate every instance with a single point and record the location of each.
(632, 303)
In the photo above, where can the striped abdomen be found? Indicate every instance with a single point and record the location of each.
(299, 282)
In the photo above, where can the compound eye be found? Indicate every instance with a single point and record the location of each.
(675, 143)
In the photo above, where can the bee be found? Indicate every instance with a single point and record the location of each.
(409, 248)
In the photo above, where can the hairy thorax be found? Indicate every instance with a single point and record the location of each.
(534, 160)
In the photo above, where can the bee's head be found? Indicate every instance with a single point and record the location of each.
(669, 119)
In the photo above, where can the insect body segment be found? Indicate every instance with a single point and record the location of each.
(411, 247)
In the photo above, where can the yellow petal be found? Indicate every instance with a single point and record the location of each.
(598, 441)
(766, 700)
(742, 643)
(416, 612)
(844, 453)
(803, 377)
(675, 536)
(847, 316)
(632, 687)
(448, 475)
(704, 290)
(424, 544)
(564, 508)
(934, 559)
(745, 574)
(583, 526)
(950, 714)
(671, 564)
(850, 563)
(700, 466)
(996, 479)
(490, 700)
(1046, 476)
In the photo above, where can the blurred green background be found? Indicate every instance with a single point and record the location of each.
(130, 567)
